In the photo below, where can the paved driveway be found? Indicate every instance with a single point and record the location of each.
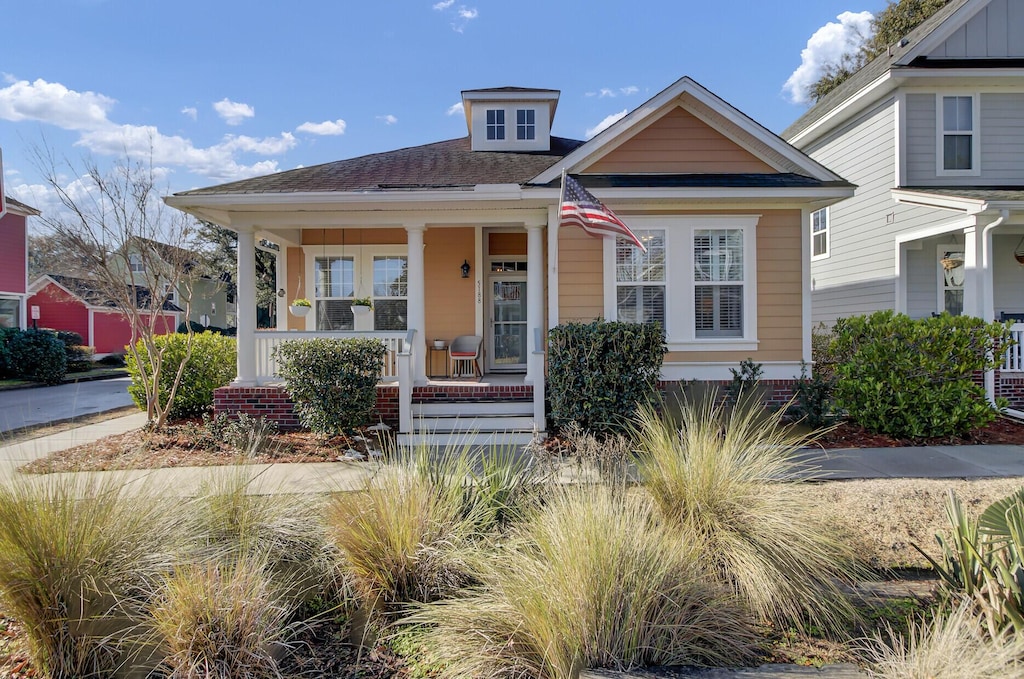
(25, 407)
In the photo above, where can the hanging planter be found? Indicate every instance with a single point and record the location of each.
(950, 263)
(300, 307)
(361, 306)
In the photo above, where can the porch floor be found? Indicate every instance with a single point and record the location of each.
(488, 380)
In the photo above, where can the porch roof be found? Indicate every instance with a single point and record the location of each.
(969, 199)
(450, 164)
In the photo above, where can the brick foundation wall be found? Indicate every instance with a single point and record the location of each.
(776, 393)
(273, 403)
(1011, 387)
(452, 392)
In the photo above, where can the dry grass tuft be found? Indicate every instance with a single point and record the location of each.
(731, 483)
(592, 580)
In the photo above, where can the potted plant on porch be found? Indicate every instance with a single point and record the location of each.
(361, 305)
(300, 306)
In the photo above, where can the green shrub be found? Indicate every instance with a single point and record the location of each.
(813, 403)
(37, 355)
(744, 381)
(599, 373)
(333, 382)
(7, 369)
(79, 358)
(212, 365)
(112, 361)
(913, 378)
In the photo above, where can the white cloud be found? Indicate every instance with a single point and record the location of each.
(606, 123)
(611, 92)
(826, 48)
(53, 103)
(629, 89)
(468, 13)
(9, 78)
(455, 109)
(443, 5)
(326, 128)
(606, 92)
(461, 15)
(233, 112)
(388, 119)
(190, 111)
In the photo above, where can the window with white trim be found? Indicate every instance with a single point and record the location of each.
(526, 123)
(334, 291)
(951, 279)
(136, 264)
(819, 234)
(958, 129)
(718, 282)
(390, 292)
(698, 278)
(495, 124)
(640, 278)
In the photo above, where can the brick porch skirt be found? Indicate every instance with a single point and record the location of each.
(1011, 387)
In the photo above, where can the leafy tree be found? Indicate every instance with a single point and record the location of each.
(47, 255)
(220, 251)
(888, 27)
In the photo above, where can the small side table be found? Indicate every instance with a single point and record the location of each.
(431, 350)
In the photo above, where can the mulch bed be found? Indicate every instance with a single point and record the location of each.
(849, 435)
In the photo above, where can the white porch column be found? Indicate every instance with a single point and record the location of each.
(974, 276)
(417, 300)
(245, 309)
(534, 296)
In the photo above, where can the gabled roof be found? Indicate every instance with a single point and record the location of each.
(20, 208)
(905, 52)
(90, 292)
(716, 112)
(447, 164)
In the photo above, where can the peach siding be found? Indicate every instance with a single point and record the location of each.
(580, 276)
(679, 142)
(506, 244)
(296, 264)
(354, 237)
(450, 298)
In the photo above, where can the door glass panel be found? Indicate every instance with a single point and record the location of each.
(509, 324)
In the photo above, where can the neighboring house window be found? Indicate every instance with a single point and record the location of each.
(10, 313)
(390, 293)
(136, 264)
(951, 279)
(640, 278)
(819, 234)
(334, 292)
(958, 129)
(495, 124)
(526, 126)
(718, 277)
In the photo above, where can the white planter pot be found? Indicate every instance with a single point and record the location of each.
(360, 310)
(299, 311)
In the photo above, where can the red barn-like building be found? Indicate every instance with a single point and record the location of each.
(14, 263)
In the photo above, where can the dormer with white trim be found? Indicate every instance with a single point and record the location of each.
(510, 118)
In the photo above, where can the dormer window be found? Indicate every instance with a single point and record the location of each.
(526, 123)
(495, 124)
(136, 264)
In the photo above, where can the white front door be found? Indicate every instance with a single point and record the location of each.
(506, 336)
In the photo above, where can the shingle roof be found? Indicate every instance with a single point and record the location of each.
(703, 180)
(870, 71)
(991, 194)
(90, 292)
(447, 164)
(509, 89)
(21, 206)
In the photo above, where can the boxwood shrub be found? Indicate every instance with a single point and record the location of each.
(36, 355)
(211, 365)
(599, 373)
(333, 382)
(915, 378)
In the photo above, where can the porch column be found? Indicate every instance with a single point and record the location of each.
(245, 309)
(417, 300)
(974, 276)
(534, 296)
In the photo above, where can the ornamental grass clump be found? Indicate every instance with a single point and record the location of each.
(952, 646)
(729, 482)
(592, 580)
(220, 621)
(77, 561)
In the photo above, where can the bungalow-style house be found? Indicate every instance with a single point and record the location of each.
(932, 133)
(13, 261)
(76, 304)
(461, 237)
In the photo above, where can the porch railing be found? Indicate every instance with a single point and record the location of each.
(1013, 359)
(267, 340)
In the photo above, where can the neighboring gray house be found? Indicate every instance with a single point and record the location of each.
(932, 133)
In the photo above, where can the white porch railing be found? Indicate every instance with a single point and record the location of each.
(1013, 359)
(267, 340)
(405, 364)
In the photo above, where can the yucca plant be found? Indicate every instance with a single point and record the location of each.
(77, 560)
(220, 621)
(729, 481)
(593, 579)
(952, 646)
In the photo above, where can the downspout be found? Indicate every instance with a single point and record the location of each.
(988, 293)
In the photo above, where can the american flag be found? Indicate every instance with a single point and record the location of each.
(580, 208)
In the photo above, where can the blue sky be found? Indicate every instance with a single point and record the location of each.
(225, 89)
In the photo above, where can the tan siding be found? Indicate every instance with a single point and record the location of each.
(580, 283)
(506, 244)
(679, 142)
(296, 266)
(354, 237)
(780, 289)
(450, 310)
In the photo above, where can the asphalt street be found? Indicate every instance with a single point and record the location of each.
(25, 407)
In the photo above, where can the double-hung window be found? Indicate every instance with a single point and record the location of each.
(340, 275)
(390, 292)
(495, 124)
(958, 149)
(697, 278)
(526, 124)
(335, 288)
(819, 234)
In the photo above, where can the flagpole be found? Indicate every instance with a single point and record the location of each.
(561, 197)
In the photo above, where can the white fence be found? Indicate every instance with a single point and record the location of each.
(267, 340)
(1013, 359)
